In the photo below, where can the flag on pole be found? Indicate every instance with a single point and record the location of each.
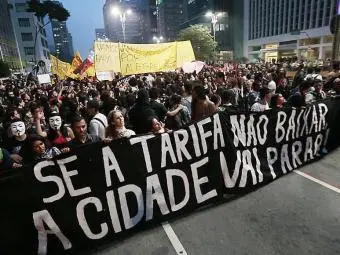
(86, 64)
(77, 61)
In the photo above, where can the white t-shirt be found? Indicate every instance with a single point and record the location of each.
(258, 107)
(98, 125)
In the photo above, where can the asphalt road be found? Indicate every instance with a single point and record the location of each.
(293, 215)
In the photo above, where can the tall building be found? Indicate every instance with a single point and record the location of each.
(30, 35)
(8, 46)
(101, 34)
(172, 14)
(137, 22)
(155, 26)
(62, 40)
(277, 29)
(229, 35)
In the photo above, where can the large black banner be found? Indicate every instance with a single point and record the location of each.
(101, 192)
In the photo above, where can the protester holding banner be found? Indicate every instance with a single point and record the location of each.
(81, 135)
(238, 85)
(116, 126)
(37, 148)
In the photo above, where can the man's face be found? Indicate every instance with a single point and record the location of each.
(318, 87)
(18, 128)
(80, 128)
(55, 122)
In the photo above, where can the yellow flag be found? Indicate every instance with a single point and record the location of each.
(62, 69)
(77, 60)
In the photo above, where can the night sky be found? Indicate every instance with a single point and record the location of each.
(86, 16)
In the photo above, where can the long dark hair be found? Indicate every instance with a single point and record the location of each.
(111, 128)
(28, 147)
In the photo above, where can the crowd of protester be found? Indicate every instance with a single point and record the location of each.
(41, 121)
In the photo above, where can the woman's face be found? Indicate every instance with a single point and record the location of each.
(156, 125)
(118, 120)
(39, 147)
(15, 115)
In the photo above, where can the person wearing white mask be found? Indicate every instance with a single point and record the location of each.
(16, 142)
(58, 135)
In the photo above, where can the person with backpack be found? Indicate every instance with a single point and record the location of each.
(98, 123)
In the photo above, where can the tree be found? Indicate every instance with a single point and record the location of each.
(4, 69)
(47, 8)
(202, 41)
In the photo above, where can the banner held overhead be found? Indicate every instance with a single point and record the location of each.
(136, 59)
(130, 59)
(106, 57)
(100, 192)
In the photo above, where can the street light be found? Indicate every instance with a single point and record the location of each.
(214, 19)
(158, 39)
(116, 11)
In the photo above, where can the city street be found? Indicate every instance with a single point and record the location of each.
(297, 214)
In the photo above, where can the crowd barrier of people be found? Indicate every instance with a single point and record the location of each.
(41, 121)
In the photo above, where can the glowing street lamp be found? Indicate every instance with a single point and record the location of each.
(116, 11)
(214, 19)
(158, 39)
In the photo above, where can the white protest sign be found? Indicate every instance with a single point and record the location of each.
(191, 67)
(44, 78)
(105, 76)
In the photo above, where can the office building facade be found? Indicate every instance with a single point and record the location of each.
(277, 29)
(137, 23)
(101, 34)
(172, 14)
(63, 42)
(30, 35)
(8, 46)
(229, 28)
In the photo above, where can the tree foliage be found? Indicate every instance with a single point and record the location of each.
(4, 69)
(52, 9)
(202, 41)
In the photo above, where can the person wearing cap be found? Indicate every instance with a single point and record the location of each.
(98, 123)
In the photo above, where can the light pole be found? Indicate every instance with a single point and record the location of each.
(122, 15)
(158, 39)
(214, 19)
(1, 54)
(336, 42)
